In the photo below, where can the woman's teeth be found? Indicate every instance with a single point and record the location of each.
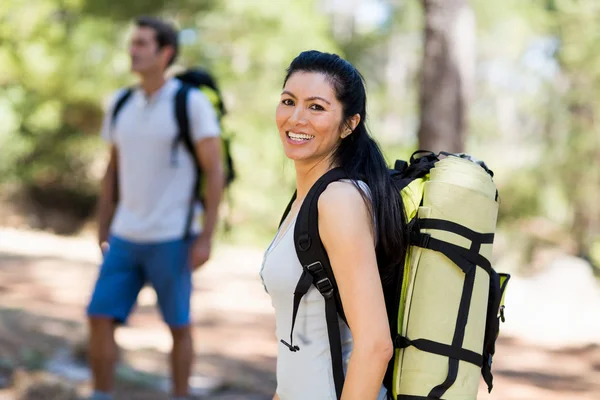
(300, 137)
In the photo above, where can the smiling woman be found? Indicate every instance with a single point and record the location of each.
(310, 115)
(321, 123)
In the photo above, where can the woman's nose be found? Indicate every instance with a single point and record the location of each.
(298, 116)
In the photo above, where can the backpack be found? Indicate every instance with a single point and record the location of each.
(434, 357)
(193, 78)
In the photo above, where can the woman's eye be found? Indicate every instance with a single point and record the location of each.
(287, 102)
(316, 107)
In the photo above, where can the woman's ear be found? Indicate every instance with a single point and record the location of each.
(351, 126)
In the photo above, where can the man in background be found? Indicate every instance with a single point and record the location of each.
(151, 229)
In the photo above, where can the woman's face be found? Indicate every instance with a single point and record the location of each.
(308, 117)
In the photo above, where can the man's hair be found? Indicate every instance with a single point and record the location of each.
(166, 34)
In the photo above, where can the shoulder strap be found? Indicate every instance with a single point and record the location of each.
(317, 271)
(183, 121)
(119, 104)
(122, 99)
(288, 208)
(307, 240)
(184, 136)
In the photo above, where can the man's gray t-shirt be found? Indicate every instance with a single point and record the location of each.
(155, 188)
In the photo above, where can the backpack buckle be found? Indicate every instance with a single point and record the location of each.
(424, 240)
(315, 267)
(324, 284)
(502, 313)
(420, 239)
(400, 165)
(325, 287)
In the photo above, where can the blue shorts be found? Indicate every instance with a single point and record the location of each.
(128, 266)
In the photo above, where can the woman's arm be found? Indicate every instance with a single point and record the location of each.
(346, 232)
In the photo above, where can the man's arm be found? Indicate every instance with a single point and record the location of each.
(205, 132)
(107, 201)
(208, 151)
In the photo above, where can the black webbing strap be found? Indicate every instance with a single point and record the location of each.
(113, 120)
(335, 344)
(184, 135)
(467, 260)
(119, 105)
(449, 226)
(492, 328)
(315, 274)
(288, 208)
(306, 279)
(459, 335)
(314, 259)
(441, 349)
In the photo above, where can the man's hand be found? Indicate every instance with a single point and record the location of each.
(104, 246)
(200, 252)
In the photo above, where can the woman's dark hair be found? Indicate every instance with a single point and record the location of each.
(361, 158)
(166, 34)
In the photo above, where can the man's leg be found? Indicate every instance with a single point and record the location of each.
(117, 287)
(182, 356)
(167, 267)
(102, 352)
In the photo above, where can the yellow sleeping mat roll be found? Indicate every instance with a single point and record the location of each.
(448, 279)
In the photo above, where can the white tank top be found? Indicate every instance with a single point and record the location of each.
(307, 373)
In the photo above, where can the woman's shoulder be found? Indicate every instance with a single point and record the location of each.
(344, 189)
(343, 198)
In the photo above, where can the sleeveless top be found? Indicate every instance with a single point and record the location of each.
(307, 373)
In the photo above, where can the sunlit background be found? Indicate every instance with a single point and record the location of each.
(525, 79)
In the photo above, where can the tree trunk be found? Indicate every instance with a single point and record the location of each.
(447, 74)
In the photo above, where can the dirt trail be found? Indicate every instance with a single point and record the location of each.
(45, 282)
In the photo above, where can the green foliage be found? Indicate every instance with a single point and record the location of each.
(538, 103)
(248, 46)
(59, 75)
(533, 116)
(124, 11)
(52, 75)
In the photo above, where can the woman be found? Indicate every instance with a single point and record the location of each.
(321, 123)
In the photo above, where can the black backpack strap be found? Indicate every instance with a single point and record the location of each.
(230, 168)
(288, 208)
(184, 136)
(119, 105)
(495, 314)
(317, 271)
(121, 100)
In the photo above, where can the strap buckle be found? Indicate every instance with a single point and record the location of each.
(315, 268)
(420, 239)
(325, 287)
(323, 283)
